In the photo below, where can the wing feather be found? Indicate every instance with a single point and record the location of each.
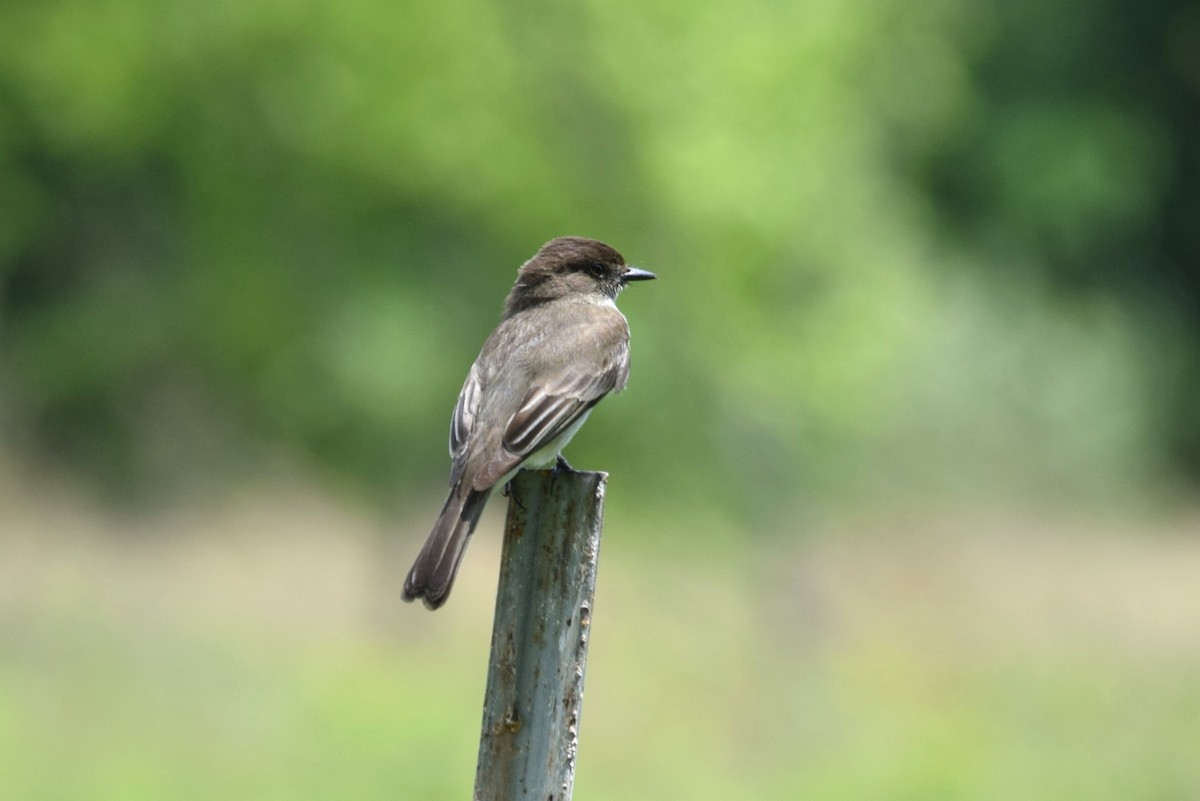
(549, 409)
(465, 411)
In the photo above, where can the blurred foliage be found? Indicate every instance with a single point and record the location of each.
(250, 665)
(945, 248)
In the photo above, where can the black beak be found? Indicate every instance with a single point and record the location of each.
(636, 274)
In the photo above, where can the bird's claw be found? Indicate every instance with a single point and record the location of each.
(510, 492)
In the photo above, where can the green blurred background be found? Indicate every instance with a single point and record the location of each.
(902, 498)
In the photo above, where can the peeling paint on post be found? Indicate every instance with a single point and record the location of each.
(540, 637)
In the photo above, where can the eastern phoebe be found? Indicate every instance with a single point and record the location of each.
(561, 346)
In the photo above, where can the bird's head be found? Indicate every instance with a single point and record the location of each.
(571, 266)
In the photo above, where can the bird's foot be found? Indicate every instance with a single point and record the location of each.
(510, 492)
(561, 465)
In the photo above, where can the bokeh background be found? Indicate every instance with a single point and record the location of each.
(903, 489)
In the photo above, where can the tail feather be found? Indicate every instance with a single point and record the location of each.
(432, 575)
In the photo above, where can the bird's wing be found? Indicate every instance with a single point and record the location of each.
(554, 403)
(550, 408)
(463, 421)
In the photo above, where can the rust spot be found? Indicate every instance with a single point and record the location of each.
(512, 719)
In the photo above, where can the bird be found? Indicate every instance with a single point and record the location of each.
(560, 347)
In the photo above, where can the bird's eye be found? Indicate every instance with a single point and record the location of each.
(596, 269)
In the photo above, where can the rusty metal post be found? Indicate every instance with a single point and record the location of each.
(540, 637)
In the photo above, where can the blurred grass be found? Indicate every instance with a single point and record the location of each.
(257, 650)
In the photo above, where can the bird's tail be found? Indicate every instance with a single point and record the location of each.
(433, 573)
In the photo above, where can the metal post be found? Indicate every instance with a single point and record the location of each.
(540, 637)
